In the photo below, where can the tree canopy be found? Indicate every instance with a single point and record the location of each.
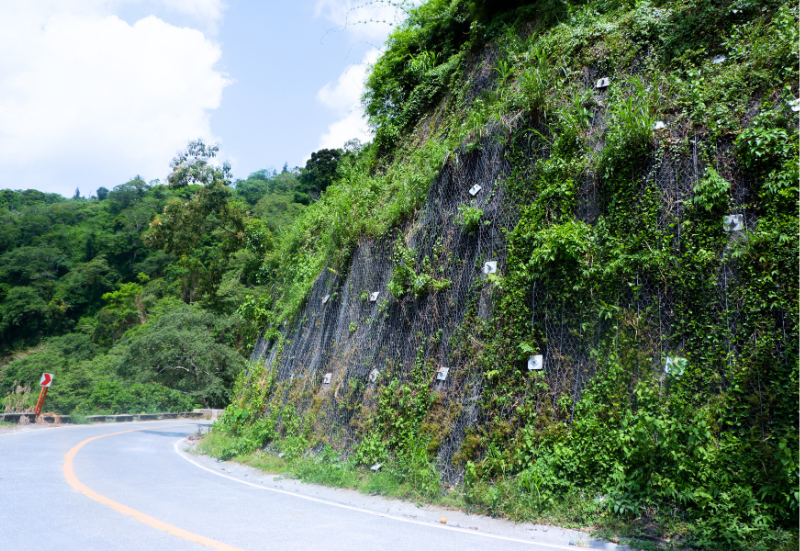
(117, 293)
(320, 170)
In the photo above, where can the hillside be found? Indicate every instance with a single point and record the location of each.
(560, 284)
(116, 319)
(638, 169)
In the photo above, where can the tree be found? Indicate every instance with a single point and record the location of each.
(252, 189)
(102, 193)
(206, 229)
(37, 265)
(183, 224)
(320, 170)
(132, 222)
(85, 284)
(353, 146)
(185, 350)
(24, 316)
(124, 309)
(31, 197)
(128, 194)
(9, 232)
(74, 347)
(77, 194)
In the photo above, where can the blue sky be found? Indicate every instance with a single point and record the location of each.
(93, 92)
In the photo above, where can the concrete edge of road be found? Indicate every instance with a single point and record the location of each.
(606, 545)
(122, 418)
(9, 430)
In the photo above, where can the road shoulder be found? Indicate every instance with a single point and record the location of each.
(401, 510)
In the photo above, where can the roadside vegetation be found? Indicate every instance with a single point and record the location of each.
(418, 484)
(130, 297)
(707, 455)
(151, 295)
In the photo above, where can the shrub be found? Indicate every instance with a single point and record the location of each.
(468, 218)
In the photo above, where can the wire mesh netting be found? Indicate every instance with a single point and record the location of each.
(572, 331)
(352, 333)
(347, 331)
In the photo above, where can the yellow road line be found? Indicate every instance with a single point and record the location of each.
(69, 474)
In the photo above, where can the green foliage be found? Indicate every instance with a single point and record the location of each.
(25, 316)
(558, 248)
(468, 218)
(234, 436)
(186, 350)
(276, 199)
(504, 70)
(396, 431)
(405, 278)
(82, 249)
(535, 82)
(78, 269)
(84, 382)
(691, 444)
(360, 203)
(320, 170)
(711, 193)
(204, 230)
(416, 68)
(112, 397)
(124, 308)
(767, 143)
(25, 265)
(630, 135)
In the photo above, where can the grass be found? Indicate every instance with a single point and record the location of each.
(78, 418)
(328, 470)
(501, 499)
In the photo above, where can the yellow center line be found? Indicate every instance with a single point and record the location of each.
(69, 474)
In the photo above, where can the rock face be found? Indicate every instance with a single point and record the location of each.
(349, 335)
(353, 335)
(420, 299)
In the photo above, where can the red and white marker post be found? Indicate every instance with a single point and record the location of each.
(45, 382)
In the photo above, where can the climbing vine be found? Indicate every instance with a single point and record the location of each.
(651, 266)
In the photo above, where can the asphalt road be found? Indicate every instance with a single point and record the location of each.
(134, 488)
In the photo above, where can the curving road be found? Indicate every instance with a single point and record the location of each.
(130, 486)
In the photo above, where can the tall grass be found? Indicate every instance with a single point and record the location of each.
(364, 202)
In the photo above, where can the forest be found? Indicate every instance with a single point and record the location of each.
(127, 324)
(559, 285)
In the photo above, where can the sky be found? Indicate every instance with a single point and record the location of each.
(95, 92)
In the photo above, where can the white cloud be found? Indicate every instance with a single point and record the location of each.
(346, 128)
(361, 21)
(207, 12)
(344, 98)
(83, 92)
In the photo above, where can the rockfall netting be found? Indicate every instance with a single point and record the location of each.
(352, 335)
(346, 331)
(570, 332)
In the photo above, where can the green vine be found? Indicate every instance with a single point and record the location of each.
(406, 278)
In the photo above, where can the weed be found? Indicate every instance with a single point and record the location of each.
(469, 218)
